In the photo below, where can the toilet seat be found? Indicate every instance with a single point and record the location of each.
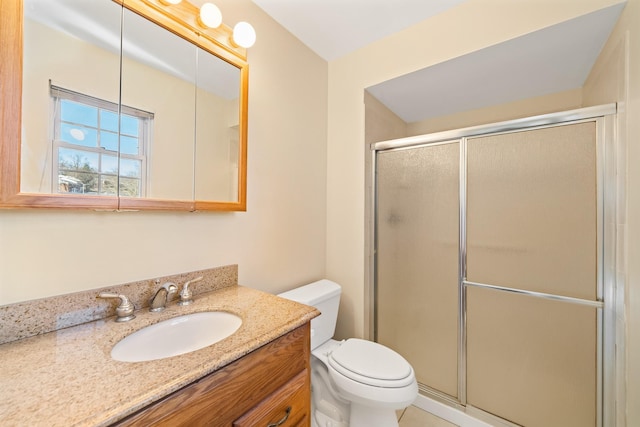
(371, 363)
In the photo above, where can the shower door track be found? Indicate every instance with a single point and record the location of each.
(608, 302)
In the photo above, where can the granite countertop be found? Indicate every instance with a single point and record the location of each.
(67, 377)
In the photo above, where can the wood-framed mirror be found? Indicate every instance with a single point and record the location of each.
(120, 105)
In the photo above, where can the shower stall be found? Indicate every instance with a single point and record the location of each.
(494, 266)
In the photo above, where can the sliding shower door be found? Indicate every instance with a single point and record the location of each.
(417, 259)
(490, 266)
(532, 227)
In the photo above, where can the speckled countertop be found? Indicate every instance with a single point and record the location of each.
(67, 377)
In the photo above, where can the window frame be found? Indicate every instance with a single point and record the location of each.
(145, 126)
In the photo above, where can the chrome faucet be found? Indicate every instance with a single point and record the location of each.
(159, 301)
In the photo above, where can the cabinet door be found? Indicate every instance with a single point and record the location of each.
(286, 407)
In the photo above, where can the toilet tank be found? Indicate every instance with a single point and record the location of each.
(325, 296)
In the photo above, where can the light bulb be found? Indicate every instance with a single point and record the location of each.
(244, 35)
(210, 15)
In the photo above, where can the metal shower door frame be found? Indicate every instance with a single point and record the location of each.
(609, 304)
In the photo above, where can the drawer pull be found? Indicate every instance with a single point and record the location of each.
(283, 420)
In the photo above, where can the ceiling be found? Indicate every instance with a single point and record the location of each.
(334, 28)
(553, 59)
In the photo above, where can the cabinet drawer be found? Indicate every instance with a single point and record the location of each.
(286, 407)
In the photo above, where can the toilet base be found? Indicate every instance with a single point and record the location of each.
(327, 408)
(367, 416)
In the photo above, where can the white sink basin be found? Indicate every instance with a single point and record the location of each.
(176, 336)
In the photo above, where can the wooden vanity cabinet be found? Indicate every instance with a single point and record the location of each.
(270, 386)
(287, 406)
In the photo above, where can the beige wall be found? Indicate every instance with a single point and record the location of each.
(278, 243)
(453, 33)
(560, 101)
(381, 124)
(616, 78)
(216, 164)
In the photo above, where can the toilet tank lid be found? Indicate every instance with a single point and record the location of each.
(313, 293)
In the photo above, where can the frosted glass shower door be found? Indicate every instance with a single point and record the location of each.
(417, 259)
(532, 227)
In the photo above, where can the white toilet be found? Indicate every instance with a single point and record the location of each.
(355, 383)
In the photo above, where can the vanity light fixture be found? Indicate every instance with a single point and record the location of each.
(210, 16)
(243, 34)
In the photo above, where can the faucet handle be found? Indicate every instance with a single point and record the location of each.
(171, 289)
(124, 311)
(186, 296)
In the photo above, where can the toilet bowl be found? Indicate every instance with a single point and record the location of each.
(355, 382)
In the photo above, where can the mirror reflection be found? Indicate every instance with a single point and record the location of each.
(150, 115)
(70, 97)
(217, 129)
(158, 79)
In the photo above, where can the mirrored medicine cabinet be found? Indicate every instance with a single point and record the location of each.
(120, 105)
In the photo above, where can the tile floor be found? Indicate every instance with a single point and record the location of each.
(416, 417)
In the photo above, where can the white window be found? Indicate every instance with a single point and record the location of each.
(94, 152)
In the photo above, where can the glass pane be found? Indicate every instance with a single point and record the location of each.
(78, 182)
(532, 210)
(109, 141)
(417, 260)
(90, 181)
(129, 187)
(70, 159)
(109, 120)
(109, 185)
(70, 183)
(78, 113)
(109, 165)
(129, 125)
(130, 168)
(78, 135)
(531, 361)
(129, 145)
